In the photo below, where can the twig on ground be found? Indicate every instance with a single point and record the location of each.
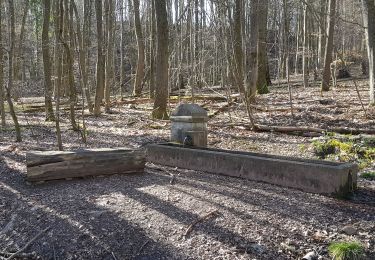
(28, 243)
(142, 247)
(113, 255)
(10, 225)
(205, 217)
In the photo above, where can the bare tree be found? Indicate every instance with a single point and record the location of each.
(109, 77)
(368, 7)
(329, 45)
(262, 83)
(161, 78)
(47, 61)
(100, 64)
(141, 51)
(2, 91)
(12, 34)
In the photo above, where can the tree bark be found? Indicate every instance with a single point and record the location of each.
(122, 49)
(253, 75)
(161, 93)
(137, 91)
(262, 83)
(152, 50)
(237, 46)
(12, 34)
(82, 44)
(2, 90)
(42, 166)
(368, 7)
(59, 27)
(329, 45)
(305, 49)
(100, 64)
(109, 77)
(47, 61)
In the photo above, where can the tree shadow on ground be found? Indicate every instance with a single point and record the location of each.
(96, 218)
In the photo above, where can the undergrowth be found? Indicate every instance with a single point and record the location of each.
(346, 251)
(368, 175)
(346, 148)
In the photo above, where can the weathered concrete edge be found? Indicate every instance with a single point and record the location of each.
(338, 179)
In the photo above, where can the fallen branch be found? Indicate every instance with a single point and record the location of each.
(205, 217)
(221, 109)
(141, 248)
(28, 243)
(10, 225)
(292, 129)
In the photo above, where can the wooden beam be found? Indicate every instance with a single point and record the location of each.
(54, 165)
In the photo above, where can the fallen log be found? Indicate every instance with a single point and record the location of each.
(221, 109)
(54, 165)
(173, 99)
(293, 129)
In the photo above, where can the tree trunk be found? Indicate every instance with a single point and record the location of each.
(47, 61)
(109, 77)
(252, 79)
(2, 94)
(11, 27)
(100, 64)
(58, 65)
(322, 34)
(237, 47)
(161, 93)
(305, 50)
(122, 49)
(329, 45)
(368, 7)
(82, 44)
(262, 83)
(70, 60)
(137, 91)
(152, 50)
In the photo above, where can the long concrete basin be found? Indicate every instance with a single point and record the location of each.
(315, 176)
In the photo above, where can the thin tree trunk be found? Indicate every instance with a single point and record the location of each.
(2, 90)
(237, 47)
(329, 45)
(47, 61)
(109, 57)
(59, 34)
(152, 50)
(70, 59)
(11, 27)
(137, 91)
(161, 93)
(122, 51)
(368, 7)
(251, 83)
(100, 64)
(262, 83)
(19, 51)
(83, 40)
(305, 51)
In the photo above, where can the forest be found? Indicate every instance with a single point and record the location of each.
(101, 99)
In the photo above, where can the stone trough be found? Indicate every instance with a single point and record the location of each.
(315, 176)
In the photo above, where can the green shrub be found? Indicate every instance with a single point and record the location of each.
(332, 146)
(346, 148)
(346, 251)
(368, 175)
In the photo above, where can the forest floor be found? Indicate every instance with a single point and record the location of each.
(144, 216)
